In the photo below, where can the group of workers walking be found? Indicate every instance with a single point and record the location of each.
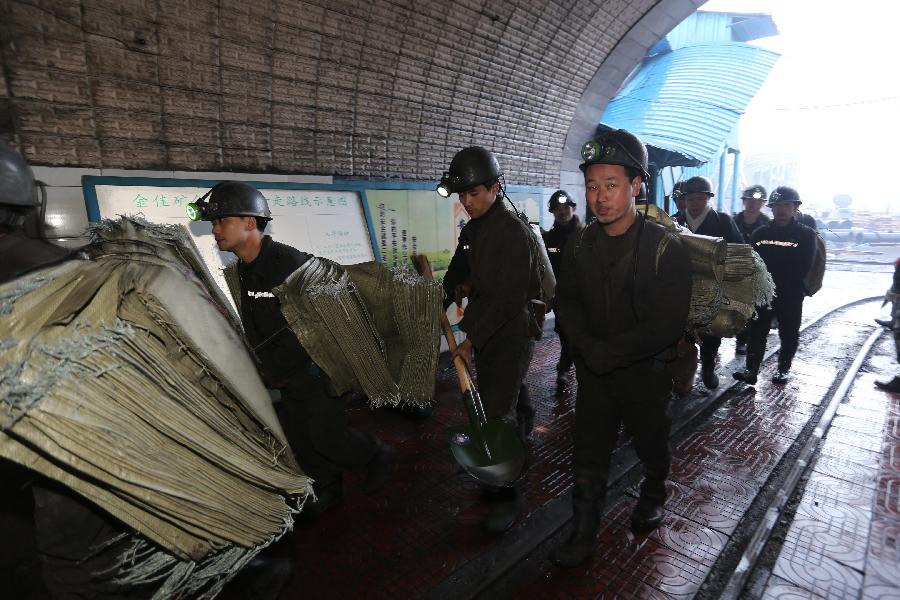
(622, 297)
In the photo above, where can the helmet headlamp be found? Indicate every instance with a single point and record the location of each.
(196, 210)
(611, 151)
(443, 188)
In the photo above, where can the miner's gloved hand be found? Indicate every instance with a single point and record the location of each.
(464, 351)
(461, 292)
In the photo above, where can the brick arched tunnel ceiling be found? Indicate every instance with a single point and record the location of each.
(375, 89)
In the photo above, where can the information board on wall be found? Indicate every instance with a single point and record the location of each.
(329, 223)
(419, 221)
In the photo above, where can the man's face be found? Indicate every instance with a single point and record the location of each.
(695, 203)
(479, 199)
(231, 232)
(562, 214)
(783, 212)
(752, 205)
(608, 193)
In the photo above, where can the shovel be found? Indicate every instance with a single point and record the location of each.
(490, 451)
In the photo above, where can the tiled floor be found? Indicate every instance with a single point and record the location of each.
(425, 525)
(845, 539)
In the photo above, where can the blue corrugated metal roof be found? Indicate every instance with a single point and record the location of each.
(687, 101)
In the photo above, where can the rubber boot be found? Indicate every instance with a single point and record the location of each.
(889, 386)
(586, 510)
(507, 506)
(649, 512)
(708, 373)
(524, 413)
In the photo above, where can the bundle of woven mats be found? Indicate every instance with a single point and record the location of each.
(370, 328)
(728, 280)
(123, 375)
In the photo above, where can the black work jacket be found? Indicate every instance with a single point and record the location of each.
(277, 349)
(20, 254)
(788, 253)
(718, 224)
(616, 313)
(748, 229)
(555, 241)
(457, 270)
(503, 273)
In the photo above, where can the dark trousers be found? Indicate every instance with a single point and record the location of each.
(637, 397)
(565, 358)
(743, 336)
(75, 541)
(789, 312)
(501, 366)
(709, 349)
(20, 565)
(317, 428)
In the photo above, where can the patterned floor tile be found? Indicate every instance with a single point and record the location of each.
(661, 569)
(875, 588)
(846, 470)
(883, 560)
(720, 514)
(703, 477)
(887, 497)
(825, 489)
(840, 516)
(873, 413)
(780, 589)
(858, 426)
(820, 539)
(823, 576)
(872, 443)
(866, 458)
(890, 456)
(690, 539)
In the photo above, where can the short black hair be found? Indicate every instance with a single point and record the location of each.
(261, 223)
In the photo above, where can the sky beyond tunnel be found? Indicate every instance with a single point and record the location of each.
(833, 98)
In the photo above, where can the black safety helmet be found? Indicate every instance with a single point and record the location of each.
(784, 193)
(230, 199)
(16, 179)
(697, 185)
(754, 192)
(677, 193)
(560, 198)
(617, 147)
(470, 167)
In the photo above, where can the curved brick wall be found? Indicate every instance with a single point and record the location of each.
(346, 88)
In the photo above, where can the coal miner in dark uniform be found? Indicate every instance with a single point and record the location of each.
(312, 416)
(497, 267)
(623, 301)
(703, 219)
(749, 220)
(50, 534)
(788, 249)
(565, 223)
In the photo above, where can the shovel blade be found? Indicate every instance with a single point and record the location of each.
(498, 465)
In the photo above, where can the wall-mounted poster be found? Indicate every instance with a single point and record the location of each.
(407, 221)
(326, 222)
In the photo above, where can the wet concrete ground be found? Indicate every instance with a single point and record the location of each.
(421, 536)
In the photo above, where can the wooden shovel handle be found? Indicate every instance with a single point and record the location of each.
(423, 266)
